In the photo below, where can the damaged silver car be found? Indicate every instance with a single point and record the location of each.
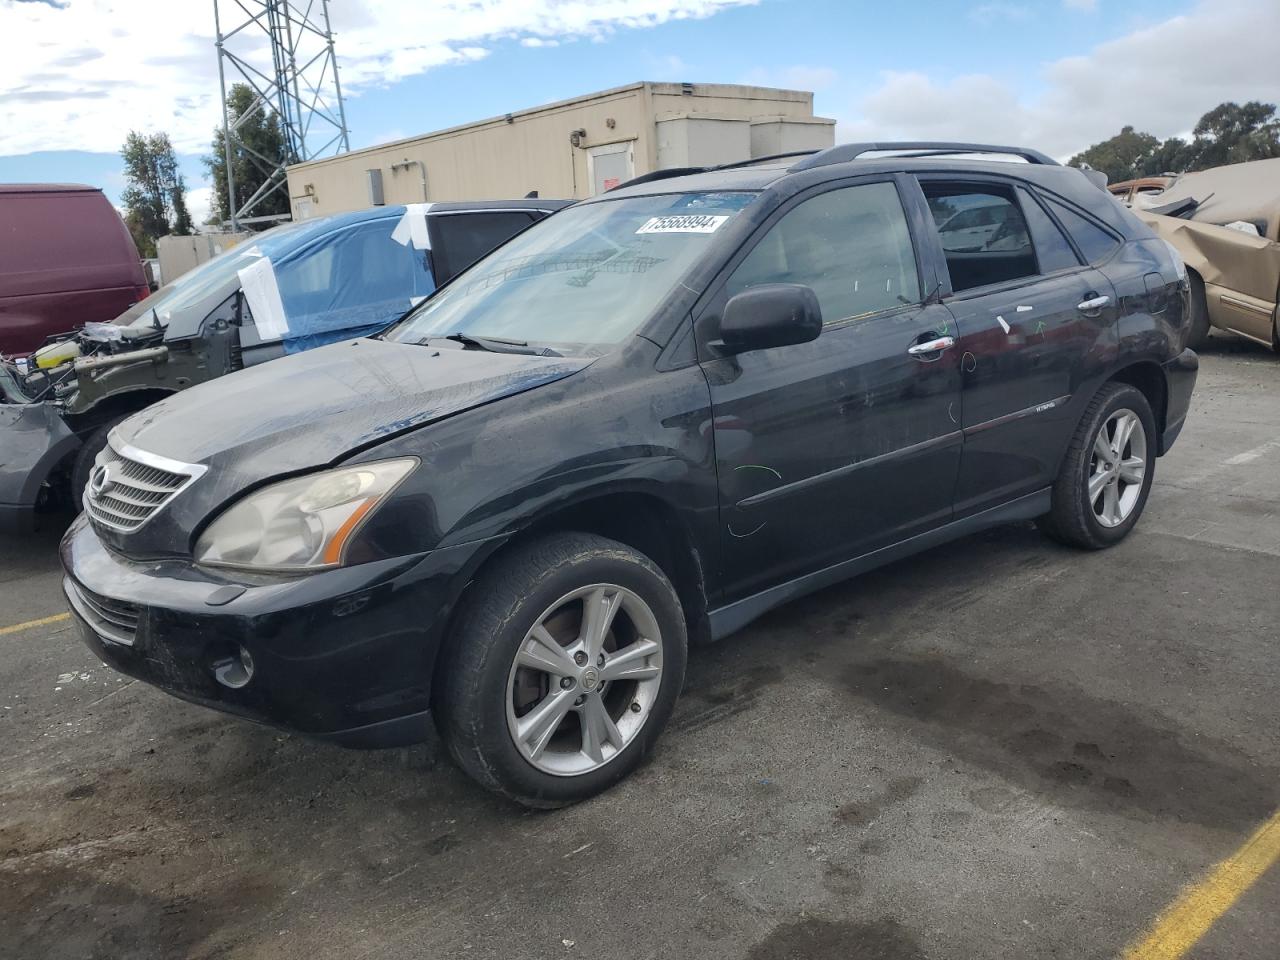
(290, 289)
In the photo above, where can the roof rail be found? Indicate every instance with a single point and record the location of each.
(772, 156)
(659, 175)
(928, 148)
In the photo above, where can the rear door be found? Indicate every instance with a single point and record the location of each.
(830, 449)
(1033, 319)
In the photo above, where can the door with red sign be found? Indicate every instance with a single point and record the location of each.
(609, 165)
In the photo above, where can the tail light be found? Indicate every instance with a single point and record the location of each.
(141, 293)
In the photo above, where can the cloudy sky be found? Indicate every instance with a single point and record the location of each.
(1053, 74)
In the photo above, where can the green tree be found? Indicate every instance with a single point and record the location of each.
(1123, 157)
(1235, 133)
(256, 149)
(155, 199)
(1229, 133)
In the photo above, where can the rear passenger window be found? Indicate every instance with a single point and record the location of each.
(1053, 250)
(851, 246)
(1095, 243)
(463, 238)
(984, 234)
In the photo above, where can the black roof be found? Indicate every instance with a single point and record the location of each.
(912, 156)
(536, 203)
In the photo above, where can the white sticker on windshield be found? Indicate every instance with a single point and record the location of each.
(696, 223)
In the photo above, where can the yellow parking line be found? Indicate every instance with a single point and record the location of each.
(30, 624)
(1179, 928)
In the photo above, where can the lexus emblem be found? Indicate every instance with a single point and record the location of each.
(100, 480)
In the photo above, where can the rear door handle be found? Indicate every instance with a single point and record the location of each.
(932, 346)
(1093, 303)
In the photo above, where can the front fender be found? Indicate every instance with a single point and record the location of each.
(492, 471)
(34, 440)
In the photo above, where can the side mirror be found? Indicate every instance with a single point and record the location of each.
(771, 315)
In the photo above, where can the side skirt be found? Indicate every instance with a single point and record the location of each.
(734, 616)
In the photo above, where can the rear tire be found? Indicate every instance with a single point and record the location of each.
(1106, 475)
(541, 701)
(1199, 306)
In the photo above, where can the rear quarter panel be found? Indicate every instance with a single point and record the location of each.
(1153, 319)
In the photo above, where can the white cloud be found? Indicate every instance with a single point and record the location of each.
(199, 203)
(1159, 79)
(79, 75)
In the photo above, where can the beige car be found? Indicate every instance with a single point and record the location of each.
(1230, 240)
(1143, 192)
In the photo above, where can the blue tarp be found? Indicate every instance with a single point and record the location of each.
(349, 282)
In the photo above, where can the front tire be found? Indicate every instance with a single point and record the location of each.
(562, 669)
(1106, 475)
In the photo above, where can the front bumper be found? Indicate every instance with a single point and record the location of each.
(345, 655)
(34, 440)
(1180, 377)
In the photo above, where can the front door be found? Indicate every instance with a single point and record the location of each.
(830, 449)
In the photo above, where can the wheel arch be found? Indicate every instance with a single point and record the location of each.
(113, 405)
(1148, 378)
(643, 521)
(646, 523)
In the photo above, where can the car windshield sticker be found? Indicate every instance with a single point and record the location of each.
(696, 223)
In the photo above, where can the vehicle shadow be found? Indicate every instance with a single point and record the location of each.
(1228, 345)
(35, 551)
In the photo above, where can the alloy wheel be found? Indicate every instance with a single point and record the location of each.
(1117, 467)
(584, 680)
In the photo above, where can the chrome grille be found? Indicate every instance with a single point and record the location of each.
(127, 486)
(114, 619)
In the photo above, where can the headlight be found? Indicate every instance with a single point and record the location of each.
(300, 524)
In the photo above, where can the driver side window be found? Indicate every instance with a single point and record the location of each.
(851, 246)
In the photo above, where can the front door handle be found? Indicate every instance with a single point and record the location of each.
(1093, 303)
(932, 346)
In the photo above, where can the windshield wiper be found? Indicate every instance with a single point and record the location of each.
(499, 345)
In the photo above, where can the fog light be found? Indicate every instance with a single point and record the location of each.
(234, 672)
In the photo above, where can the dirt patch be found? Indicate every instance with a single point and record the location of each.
(97, 919)
(1059, 741)
(859, 813)
(813, 938)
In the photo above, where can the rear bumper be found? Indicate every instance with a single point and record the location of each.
(344, 655)
(34, 440)
(1180, 376)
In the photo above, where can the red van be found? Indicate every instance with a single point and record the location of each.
(66, 258)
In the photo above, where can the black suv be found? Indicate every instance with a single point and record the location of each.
(641, 423)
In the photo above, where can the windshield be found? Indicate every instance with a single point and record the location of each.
(194, 285)
(582, 280)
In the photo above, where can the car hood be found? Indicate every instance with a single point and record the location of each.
(317, 407)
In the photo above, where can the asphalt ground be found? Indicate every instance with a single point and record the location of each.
(1000, 749)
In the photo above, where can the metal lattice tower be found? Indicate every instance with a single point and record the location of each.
(299, 85)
